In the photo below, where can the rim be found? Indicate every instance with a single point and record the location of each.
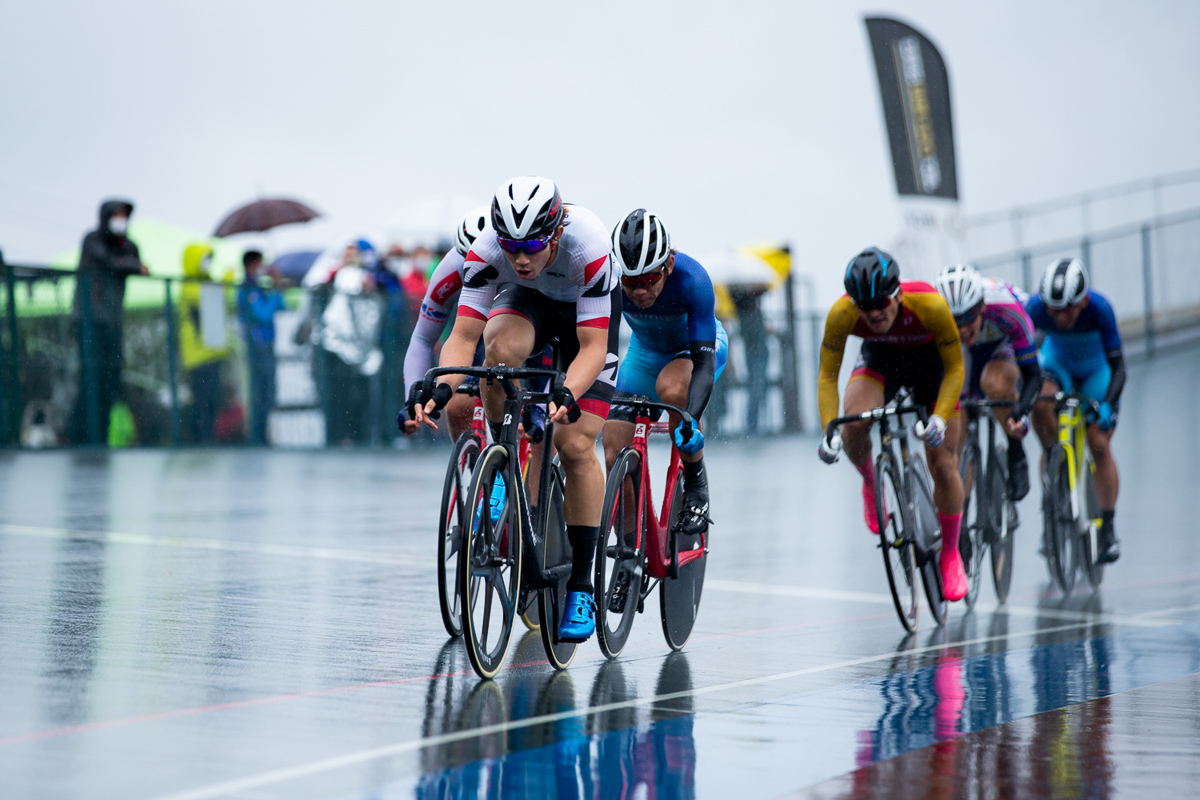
(898, 553)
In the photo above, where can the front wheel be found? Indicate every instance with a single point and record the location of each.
(895, 531)
(930, 532)
(1001, 523)
(972, 539)
(555, 553)
(451, 524)
(1093, 569)
(679, 598)
(619, 563)
(1058, 520)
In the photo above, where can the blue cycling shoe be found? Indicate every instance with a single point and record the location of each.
(496, 501)
(579, 618)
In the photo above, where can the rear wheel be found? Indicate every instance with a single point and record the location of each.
(490, 568)
(1056, 516)
(618, 558)
(1001, 523)
(972, 538)
(451, 524)
(930, 537)
(899, 558)
(556, 562)
(1093, 569)
(679, 598)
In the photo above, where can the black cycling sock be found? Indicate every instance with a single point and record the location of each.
(583, 547)
(694, 476)
(1016, 448)
(1106, 519)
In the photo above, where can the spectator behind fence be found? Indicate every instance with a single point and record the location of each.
(258, 303)
(107, 257)
(202, 340)
(753, 332)
(350, 334)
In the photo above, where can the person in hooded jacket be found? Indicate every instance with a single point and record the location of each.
(202, 361)
(107, 257)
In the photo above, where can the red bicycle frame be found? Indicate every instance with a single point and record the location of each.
(660, 563)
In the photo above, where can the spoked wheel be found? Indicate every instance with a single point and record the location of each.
(618, 559)
(972, 539)
(490, 569)
(451, 523)
(930, 537)
(1056, 515)
(1090, 550)
(1001, 524)
(556, 560)
(679, 598)
(899, 558)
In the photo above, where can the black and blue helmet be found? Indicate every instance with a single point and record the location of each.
(872, 277)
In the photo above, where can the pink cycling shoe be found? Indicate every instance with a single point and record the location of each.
(954, 577)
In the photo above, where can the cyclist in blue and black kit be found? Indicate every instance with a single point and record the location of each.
(677, 349)
(1081, 352)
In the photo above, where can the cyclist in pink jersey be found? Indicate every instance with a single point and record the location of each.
(1000, 356)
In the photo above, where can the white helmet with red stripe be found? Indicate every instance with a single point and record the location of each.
(527, 208)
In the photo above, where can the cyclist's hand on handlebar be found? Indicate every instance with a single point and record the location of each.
(933, 432)
(427, 412)
(1107, 416)
(693, 444)
(563, 408)
(829, 449)
(1016, 428)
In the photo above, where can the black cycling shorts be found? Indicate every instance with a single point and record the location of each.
(555, 318)
(918, 368)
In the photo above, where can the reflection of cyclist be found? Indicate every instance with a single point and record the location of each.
(677, 348)
(1082, 352)
(997, 338)
(445, 284)
(540, 271)
(910, 339)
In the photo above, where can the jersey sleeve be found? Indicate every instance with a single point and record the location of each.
(701, 306)
(596, 282)
(1018, 327)
(838, 325)
(1106, 323)
(444, 287)
(478, 287)
(938, 320)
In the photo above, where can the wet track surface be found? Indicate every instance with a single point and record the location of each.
(264, 625)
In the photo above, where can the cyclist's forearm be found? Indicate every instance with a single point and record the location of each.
(1117, 382)
(1031, 387)
(458, 351)
(827, 382)
(704, 371)
(586, 367)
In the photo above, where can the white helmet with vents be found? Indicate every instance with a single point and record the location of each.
(527, 208)
(962, 286)
(1064, 283)
(473, 223)
(640, 243)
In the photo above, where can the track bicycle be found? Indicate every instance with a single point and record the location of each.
(638, 548)
(452, 513)
(1070, 508)
(522, 557)
(909, 533)
(989, 517)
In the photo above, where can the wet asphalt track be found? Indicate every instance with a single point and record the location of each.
(264, 625)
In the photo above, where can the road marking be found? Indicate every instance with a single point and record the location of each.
(808, 592)
(364, 756)
(258, 548)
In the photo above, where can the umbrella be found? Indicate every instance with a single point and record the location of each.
(262, 215)
(295, 265)
(739, 268)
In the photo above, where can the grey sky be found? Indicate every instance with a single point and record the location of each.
(735, 121)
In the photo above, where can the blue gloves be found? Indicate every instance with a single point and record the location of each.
(690, 446)
(1108, 417)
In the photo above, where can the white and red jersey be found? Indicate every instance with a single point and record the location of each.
(445, 284)
(581, 272)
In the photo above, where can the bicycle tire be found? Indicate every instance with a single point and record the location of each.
(899, 558)
(1001, 523)
(450, 529)
(679, 598)
(491, 565)
(972, 537)
(615, 557)
(1056, 515)
(554, 551)
(930, 531)
(1089, 546)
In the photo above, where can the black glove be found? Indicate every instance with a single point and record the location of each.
(440, 397)
(563, 398)
(409, 411)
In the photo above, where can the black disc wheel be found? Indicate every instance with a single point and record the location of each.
(555, 559)
(899, 556)
(451, 524)
(618, 578)
(1059, 521)
(679, 598)
(972, 536)
(490, 569)
(930, 537)
(1001, 523)
(1090, 547)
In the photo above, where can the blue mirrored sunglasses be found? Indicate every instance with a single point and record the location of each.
(524, 245)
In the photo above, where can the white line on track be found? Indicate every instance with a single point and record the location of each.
(258, 548)
(363, 756)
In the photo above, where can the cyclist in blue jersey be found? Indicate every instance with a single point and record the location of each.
(1081, 351)
(677, 348)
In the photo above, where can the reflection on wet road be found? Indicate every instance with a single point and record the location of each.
(264, 625)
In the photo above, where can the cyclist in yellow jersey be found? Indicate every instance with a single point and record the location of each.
(909, 339)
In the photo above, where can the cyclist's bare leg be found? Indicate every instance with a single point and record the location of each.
(1045, 421)
(862, 394)
(507, 339)
(999, 382)
(459, 412)
(617, 435)
(1107, 479)
(584, 492)
(948, 497)
(672, 387)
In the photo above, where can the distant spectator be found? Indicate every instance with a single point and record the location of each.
(204, 350)
(258, 302)
(753, 333)
(106, 259)
(351, 326)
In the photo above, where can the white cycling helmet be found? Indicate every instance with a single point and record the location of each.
(473, 223)
(1064, 283)
(962, 286)
(527, 208)
(640, 243)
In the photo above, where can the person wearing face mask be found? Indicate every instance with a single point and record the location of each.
(107, 257)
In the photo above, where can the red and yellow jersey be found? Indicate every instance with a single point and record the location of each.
(924, 318)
